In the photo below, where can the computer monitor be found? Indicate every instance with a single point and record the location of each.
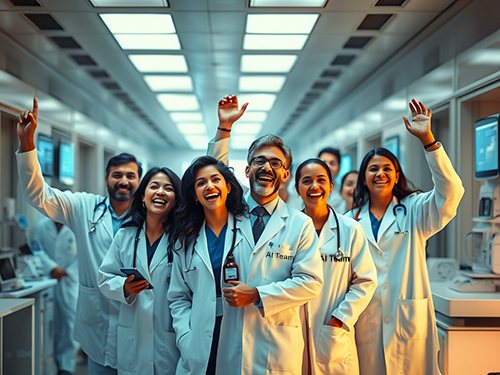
(45, 151)
(486, 148)
(7, 272)
(66, 162)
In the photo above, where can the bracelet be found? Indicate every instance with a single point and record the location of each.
(229, 130)
(430, 145)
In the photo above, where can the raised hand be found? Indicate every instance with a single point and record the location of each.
(420, 125)
(26, 126)
(229, 112)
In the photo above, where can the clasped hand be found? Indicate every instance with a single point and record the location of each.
(134, 287)
(240, 295)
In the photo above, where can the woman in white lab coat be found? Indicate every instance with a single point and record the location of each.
(214, 203)
(397, 332)
(146, 339)
(349, 275)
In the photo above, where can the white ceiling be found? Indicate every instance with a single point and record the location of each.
(211, 34)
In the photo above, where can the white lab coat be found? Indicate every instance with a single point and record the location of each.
(96, 315)
(146, 339)
(58, 249)
(348, 287)
(397, 332)
(284, 266)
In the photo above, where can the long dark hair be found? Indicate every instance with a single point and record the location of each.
(401, 189)
(137, 212)
(190, 215)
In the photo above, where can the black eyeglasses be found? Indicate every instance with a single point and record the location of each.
(259, 161)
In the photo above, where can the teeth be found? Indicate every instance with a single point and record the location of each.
(315, 195)
(160, 201)
(212, 196)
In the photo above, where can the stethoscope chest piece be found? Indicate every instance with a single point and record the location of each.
(338, 254)
(400, 208)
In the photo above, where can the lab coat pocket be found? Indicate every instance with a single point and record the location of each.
(332, 345)
(127, 349)
(183, 345)
(413, 318)
(277, 265)
(89, 305)
(286, 347)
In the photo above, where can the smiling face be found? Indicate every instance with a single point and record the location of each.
(332, 162)
(264, 180)
(381, 176)
(211, 189)
(314, 185)
(159, 196)
(349, 185)
(122, 181)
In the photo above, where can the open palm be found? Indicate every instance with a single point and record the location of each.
(228, 110)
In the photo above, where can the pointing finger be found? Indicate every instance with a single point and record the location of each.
(35, 106)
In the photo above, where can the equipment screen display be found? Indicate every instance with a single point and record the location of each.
(66, 163)
(7, 269)
(45, 151)
(486, 148)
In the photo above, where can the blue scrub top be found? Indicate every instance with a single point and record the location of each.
(375, 225)
(216, 251)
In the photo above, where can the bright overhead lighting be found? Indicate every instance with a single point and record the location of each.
(267, 63)
(178, 102)
(189, 128)
(149, 42)
(197, 142)
(261, 83)
(253, 116)
(241, 142)
(186, 116)
(159, 63)
(169, 83)
(259, 102)
(129, 3)
(274, 42)
(281, 23)
(130, 23)
(246, 129)
(287, 3)
(486, 57)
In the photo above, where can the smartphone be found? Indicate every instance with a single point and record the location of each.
(138, 276)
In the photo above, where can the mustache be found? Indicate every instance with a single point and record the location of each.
(262, 173)
(121, 186)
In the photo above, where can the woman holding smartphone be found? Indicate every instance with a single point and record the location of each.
(143, 249)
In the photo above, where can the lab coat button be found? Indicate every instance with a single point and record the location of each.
(209, 335)
(213, 299)
(387, 320)
(149, 331)
(384, 286)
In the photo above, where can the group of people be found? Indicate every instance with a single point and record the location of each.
(238, 282)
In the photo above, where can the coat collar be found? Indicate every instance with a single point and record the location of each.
(387, 220)
(329, 230)
(142, 253)
(275, 224)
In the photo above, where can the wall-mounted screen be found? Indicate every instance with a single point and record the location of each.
(392, 144)
(45, 151)
(486, 148)
(66, 162)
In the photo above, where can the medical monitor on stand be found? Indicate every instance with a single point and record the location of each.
(486, 148)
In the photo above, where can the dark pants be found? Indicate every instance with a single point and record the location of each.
(212, 363)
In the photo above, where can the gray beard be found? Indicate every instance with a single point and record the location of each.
(265, 191)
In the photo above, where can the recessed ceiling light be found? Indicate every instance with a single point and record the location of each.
(267, 63)
(261, 83)
(274, 42)
(244, 128)
(169, 83)
(287, 3)
(258, 102)
(189, 128)
(186, 116)
(159, 63)
(281, 23)
(178, 102)
(149, 42)
(130, 23)
(129, 3)
(197, 142)
(250, 116)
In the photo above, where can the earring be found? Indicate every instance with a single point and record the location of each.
(196, 200)
(143, 205)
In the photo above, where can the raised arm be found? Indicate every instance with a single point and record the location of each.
(420, 125)
(26, 126)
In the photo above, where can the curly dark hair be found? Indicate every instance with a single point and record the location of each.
(190, 216)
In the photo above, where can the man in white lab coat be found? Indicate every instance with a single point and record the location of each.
(59, 258)
(264, 335)
(94, 220)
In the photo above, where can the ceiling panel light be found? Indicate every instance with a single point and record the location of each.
(274, 42)
(129, 3)
(131, 23)
(178, 102)
(267, 63)
(150, 42)
(250, 116)
(189, 128)
(197, 142)
(169, 83)
(246, 129)
(281, 23)
(258, 102)
(186, 116)
(159, 63)
(288, 3)
(262, 83)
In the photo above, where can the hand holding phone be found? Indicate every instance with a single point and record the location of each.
(136, 284)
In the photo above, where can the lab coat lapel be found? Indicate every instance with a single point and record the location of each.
(201, 248)
(365, 222)
(107, 221)
(230, 232)
(388, 218)
(276, 222)
(142, 253)
(328, 232)
(160, 253)
(245, 226)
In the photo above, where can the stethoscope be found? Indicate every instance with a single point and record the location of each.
(170, 255)
(94, 223)
(193, 268)
(339, 254)
(396, 210)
